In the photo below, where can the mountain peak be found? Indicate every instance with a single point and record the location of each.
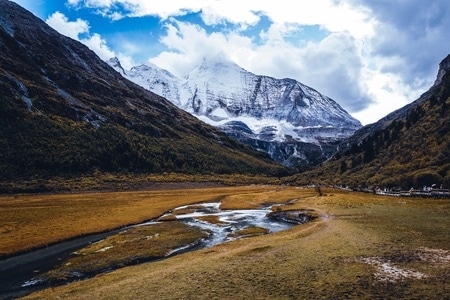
(267, 113)
(218, 64)
(115, 63)
(150, 68)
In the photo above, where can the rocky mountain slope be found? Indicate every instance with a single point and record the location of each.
(408, 148)
(64, 112)
(294, 123)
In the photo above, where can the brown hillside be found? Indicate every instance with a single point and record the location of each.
(65, 112)
(408, 148)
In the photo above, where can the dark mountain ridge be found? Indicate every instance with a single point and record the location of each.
(408, 148)
(63, 111)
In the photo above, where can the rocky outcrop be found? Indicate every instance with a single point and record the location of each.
(444, 68)
(294, 216)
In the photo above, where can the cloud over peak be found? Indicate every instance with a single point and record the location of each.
(370, 56)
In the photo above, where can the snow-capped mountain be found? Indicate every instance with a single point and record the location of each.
(152, 78)
(289, 120)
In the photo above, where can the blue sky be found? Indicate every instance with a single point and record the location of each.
(372, 57)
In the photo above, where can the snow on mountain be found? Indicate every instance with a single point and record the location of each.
(252, 108)
(152, 78)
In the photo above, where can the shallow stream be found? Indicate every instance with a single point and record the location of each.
(230, 221)
(18, 274)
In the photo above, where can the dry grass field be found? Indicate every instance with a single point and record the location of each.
(31, 221)
(362, 247)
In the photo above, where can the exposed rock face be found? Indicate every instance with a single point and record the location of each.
(444, 68)
(294, 123)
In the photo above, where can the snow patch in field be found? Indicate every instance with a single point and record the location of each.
(387, 272)
(434, 255)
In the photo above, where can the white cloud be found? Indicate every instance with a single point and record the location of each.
(191, 43)
(71, 29)
(332, 66)
(74, 29)
(389, 92)
(232, 11)
(334, 16)
(99, 46)
(411, 39)
(379, 55)
(337, 66)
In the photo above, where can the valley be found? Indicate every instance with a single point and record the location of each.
(141, 185)
(339, 254)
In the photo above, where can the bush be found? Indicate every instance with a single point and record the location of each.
(427, 178)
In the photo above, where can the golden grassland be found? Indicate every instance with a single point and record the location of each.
(30, 221)
(362, 247)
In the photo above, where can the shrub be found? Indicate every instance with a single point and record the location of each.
(427, 178)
